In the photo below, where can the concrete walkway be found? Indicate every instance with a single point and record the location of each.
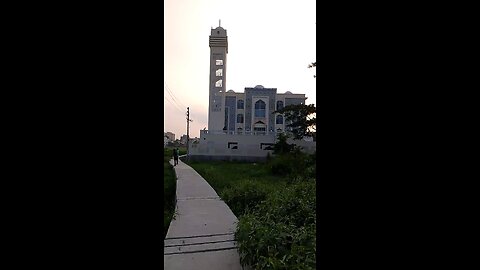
(201, 235)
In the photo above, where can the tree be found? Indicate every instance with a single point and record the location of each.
(301, 118)
(312, 65)
(281, 146)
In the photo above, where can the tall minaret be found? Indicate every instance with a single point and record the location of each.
(218, 70)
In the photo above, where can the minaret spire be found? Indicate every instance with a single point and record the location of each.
(219, 23)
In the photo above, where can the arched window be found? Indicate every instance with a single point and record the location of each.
(279, 105)
(219, 72)
(279, 119)
(259, 127)
(218, 83)
(240, 104)
(260, 108)
(240, 118)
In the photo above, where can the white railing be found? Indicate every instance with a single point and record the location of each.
(230, 132)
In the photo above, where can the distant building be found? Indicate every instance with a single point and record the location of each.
(170, 136)
(165, 140)
(183, 139)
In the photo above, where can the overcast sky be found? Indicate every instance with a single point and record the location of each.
(270, 43)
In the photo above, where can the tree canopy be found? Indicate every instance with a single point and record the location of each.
(301, 119)
(312, 65)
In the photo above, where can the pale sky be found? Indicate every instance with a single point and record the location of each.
(270, 43)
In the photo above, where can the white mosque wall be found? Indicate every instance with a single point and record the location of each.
(245, 147)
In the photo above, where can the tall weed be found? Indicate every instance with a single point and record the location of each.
(245, 195)
(281, 232)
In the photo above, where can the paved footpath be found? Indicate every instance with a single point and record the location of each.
(201, 236)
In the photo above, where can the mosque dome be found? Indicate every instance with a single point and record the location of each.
(230, 91)
(288, 92)
(259, 86)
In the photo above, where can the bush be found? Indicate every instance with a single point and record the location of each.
(167, 154)
(311, 166)
(245, 195)
(281, 146)
(295, 164)
(282, 165)
(281, 232)
(169, 190)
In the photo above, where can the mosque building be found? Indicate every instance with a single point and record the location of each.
(241, 126)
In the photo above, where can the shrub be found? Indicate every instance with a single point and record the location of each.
(311, 166)
(282, 165)
(245, 195)
(281, 146)
(169, 186)
(167, 154)
(280, 233)
(169, 190)
(295, 164)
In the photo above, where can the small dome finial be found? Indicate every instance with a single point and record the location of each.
(219, 23)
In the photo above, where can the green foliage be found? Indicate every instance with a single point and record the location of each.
(301, 119)
(169, 189)
(182, 150)
(245, 195)
(281, 146)
(295, 165)
(223, 174)
(310, 166)
(312, 65)
(289, 159)
(281, 232)
(277, 215)
(283, 165)
(167, 154)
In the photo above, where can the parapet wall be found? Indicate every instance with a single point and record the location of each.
(233, 145)
(227, 158)
(239, 147)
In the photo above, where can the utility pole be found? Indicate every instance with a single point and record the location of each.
(188, 127)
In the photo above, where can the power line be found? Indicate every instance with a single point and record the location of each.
(174, 101)
(173, 104)
(170, 92)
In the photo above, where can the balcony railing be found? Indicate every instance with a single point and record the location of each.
(242, 132)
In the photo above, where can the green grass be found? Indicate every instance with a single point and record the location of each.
(275, 208)
(169, 189)
(223, 174)
(182, 150)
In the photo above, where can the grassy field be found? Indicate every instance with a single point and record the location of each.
(275, 207)
(183, 150)
(222, 174)
(169, 189)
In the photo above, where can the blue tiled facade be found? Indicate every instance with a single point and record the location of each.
(271, 94)
(265, 121)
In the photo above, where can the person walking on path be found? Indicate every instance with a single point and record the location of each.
(175, 157)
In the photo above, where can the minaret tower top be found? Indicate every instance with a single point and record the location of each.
(218, 37)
